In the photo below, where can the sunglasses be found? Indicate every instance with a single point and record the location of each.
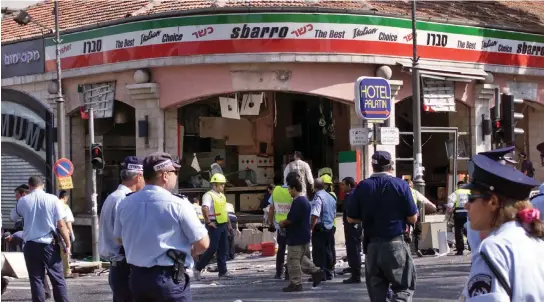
(473, 197)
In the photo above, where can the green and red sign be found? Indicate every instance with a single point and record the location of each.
(294, 33)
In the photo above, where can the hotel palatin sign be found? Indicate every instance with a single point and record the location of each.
(294, 33)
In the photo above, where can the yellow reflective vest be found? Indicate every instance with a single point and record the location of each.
(414, 196)
(219, 206)
(198, 210)
(282, 203)
(461, 197)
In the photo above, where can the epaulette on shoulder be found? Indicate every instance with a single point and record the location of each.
(180, 196)
(129, 194)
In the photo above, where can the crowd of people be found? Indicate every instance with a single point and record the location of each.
(151, 237)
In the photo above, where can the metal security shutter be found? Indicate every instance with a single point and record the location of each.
(15, 171)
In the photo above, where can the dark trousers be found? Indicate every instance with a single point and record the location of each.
(353, 233)
(458, 224)
(322, 251)
(119, 281)
(41, 258)
(417, 234)
(231, 247)
(218, 244)
(389, 263)
(150, 284)
(280, 256)
(333, 246)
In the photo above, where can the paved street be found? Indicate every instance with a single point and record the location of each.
(439, 279)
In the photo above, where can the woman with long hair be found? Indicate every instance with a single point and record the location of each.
(506, 266)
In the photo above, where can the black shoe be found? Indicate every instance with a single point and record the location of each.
(292, 288)
(317, 277)
(419, 253)
(278, 276)
(352, 280)
(459, 253)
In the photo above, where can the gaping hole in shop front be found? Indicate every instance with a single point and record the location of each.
(437, 148)
(257, 133)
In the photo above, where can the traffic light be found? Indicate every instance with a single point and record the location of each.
(497, 130)
(97, 157)
(509, 119)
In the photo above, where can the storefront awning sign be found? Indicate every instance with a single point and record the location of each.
(373, 99)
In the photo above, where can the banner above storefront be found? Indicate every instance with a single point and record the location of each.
(294, 33)
(23, 58)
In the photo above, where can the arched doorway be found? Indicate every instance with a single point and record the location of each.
(27, 145)
(437, 148)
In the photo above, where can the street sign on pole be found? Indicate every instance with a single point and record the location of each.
(388, 135)
(373, 99)
(359, 136)
(63, 169)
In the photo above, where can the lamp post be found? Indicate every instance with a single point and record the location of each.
(23, 18)
(419, 182)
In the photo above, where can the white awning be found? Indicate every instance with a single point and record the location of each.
(447, 74)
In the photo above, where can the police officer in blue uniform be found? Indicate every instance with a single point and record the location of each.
(323, 214)
(43, 215)
(352, 233)
(158, 231)
(132, 180)
(500, 155)
(507, 268)
(385, 206)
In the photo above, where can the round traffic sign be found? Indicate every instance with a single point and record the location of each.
(63, 168)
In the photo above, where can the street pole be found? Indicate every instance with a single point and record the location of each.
(94, 203)
(61, 133)
(419, 183)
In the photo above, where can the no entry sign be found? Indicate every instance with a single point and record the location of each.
(373, 99)
(63, 168)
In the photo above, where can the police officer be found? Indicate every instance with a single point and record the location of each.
(43, 214)
(456, 205)
(352, 233)
(385, 205)
(157, 230)
(322, 223)
(280, 203)
(508, 268)
(216, 218)
(132, 180)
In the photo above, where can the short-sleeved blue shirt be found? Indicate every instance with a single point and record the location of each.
(382, 202)
(298, 232)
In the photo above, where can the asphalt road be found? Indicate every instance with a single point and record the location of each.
(439, 279)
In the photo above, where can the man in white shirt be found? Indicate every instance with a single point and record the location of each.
(69, 219)
(303, 170)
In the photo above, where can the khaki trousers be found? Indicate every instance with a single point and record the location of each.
(298, 262)
(65, 263)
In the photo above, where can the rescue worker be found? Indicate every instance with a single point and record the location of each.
(385, 206)
(456, 205)
(328, 183)
(298, 238)
(304, 172)
(280, 203)
(64, 197)
(430, 208)
(217, 166)
(216, 218)
(233, 230)
(198, 209)
(352, 233)
(508, 268)
(322, 223)
(132, 180)
(158, 231)
(43, 217)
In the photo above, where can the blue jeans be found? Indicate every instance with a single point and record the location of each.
(39, 258)
(219, 243)
(150, 284)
